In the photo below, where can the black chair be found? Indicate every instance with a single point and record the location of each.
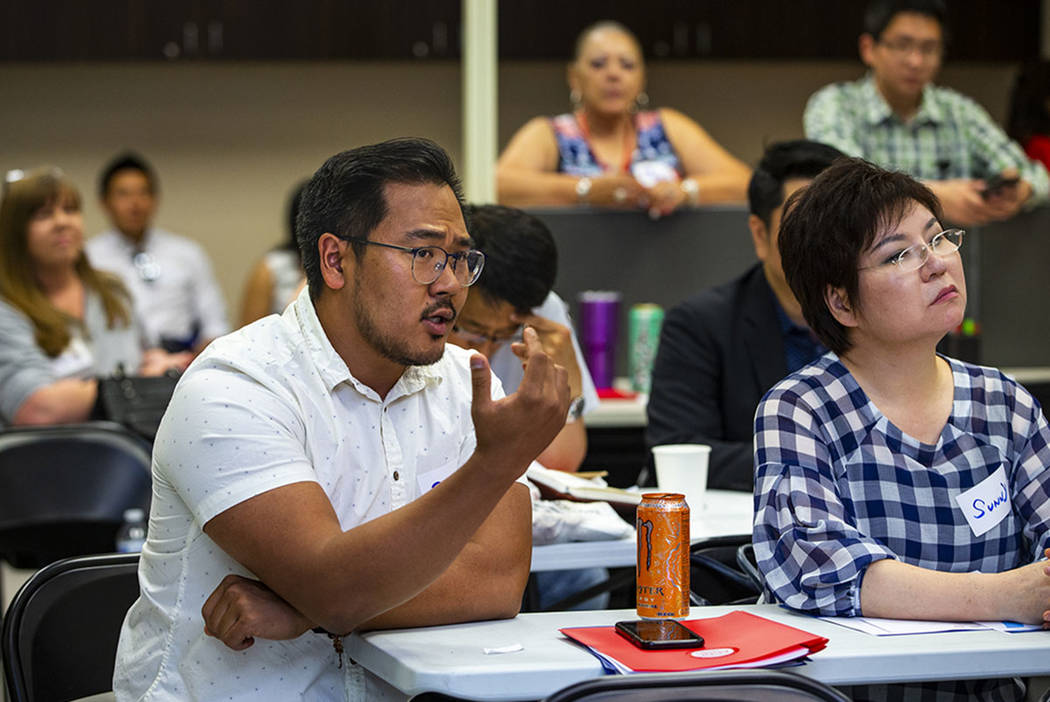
(60, 634)
(745, 560)
(64, 489)
(713, 685)
(716, 577)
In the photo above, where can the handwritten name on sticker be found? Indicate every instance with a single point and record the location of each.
(987, 503)
(713, 653)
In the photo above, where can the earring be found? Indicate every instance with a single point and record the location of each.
(642, 101)
(575, 98)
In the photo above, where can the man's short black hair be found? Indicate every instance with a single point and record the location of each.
(830, 223)
(782, 161)
(880, 13)
(521, 258)
(346, 196)
(127, 161)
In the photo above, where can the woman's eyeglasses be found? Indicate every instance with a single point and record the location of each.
(913, 257)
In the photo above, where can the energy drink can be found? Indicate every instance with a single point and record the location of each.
(643, 326)
(662, 521)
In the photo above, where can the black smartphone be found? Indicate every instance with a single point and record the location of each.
(658, 634)
(996, 184)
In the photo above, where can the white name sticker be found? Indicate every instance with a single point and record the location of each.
(649, 173)
(987, 503)
(713, 653)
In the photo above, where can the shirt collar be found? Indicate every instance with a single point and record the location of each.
(130, 247)
(333, 369)
(787, 325)
(878, 111)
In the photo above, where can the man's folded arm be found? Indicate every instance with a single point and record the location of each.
(487, 578)
(290, 538)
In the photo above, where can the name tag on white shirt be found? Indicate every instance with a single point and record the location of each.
(987, 503)
(430, 479)
(649, 173)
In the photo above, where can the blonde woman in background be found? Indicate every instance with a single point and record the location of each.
(62, 323)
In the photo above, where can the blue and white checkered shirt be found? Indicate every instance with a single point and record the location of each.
(837, 486)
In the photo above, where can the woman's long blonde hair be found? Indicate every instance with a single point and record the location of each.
(18, 284)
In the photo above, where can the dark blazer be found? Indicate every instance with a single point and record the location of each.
(720, 351)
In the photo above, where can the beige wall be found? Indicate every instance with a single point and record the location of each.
(230, 139)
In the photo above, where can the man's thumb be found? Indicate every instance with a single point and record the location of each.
(480, 380)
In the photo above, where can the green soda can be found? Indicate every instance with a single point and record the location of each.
(643, 326)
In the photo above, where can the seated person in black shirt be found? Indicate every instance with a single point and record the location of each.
(723, 348)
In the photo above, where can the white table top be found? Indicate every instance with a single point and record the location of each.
(619, 413)
(728, 513)
(450, 659)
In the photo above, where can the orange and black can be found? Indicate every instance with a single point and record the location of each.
(662, 521)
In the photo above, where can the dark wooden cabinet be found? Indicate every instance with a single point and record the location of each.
(222, 30)
(979, 30)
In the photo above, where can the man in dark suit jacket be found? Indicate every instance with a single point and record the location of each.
(722, 349)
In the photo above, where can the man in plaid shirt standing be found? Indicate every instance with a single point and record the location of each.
(897, 118)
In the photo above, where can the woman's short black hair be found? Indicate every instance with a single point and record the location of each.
(830, 223)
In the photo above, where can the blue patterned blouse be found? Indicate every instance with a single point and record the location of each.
(575, 156)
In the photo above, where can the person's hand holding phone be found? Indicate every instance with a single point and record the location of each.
(1005, 193)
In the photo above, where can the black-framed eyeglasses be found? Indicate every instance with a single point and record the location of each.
(474, 338)
(905, 46)
(913, 257)
(428, 262)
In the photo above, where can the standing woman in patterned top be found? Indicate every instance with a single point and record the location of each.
(610, 153)
(891, 481)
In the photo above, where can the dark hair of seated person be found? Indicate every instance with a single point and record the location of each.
(521, 258)
(291, 242)
(347, 194)
(128, 161)
(783, 161)
(1030, 102)
(581, 38)
(879, 14)
(830, 223)
(18, 285)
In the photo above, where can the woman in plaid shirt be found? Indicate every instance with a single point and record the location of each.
(891, 481)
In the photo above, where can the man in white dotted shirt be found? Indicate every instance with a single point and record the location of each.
(338, 466)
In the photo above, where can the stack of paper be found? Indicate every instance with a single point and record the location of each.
(567, 484)
(898, 627)
(734, 640)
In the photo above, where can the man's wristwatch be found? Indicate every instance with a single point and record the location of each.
(575, 409)
(583, 188)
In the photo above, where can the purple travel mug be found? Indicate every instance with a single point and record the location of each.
(599, 326)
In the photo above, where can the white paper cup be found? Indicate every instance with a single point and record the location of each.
(683, 468)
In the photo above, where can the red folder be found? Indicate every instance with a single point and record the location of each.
(737, 639)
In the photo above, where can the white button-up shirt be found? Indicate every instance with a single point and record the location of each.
(184, 292)
(270, 405)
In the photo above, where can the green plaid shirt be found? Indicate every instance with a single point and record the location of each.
(951, 136)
